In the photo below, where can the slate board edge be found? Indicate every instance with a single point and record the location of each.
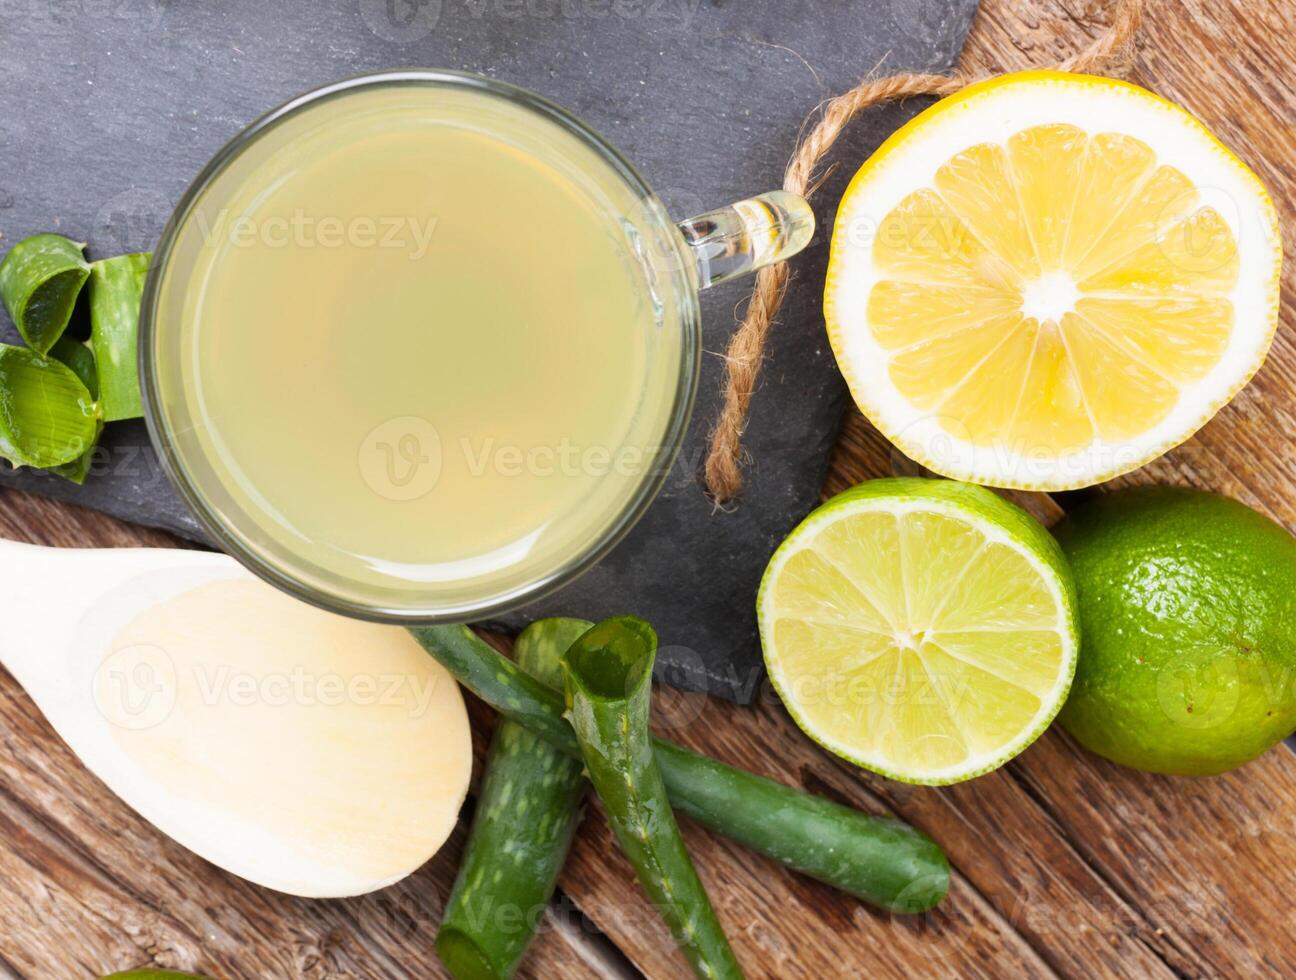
(910, 25)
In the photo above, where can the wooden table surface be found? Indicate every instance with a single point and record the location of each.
(1063, 864)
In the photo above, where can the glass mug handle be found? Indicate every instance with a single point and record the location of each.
(746, 236)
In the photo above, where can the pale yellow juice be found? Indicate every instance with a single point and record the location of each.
(420, 348)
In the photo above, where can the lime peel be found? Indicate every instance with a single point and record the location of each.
(1189, 621)
(988, 685)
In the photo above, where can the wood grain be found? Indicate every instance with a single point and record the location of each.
(1064, 864)
(87, 887)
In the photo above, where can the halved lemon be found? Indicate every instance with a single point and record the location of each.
(923, 629)
(1050, 279)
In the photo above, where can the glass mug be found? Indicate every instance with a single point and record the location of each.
(420, 346)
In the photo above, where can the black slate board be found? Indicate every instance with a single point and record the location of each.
(110, 108)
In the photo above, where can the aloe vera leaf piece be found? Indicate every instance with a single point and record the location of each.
(609, 690)
(79, 469)
(47, 416)
(80, 358)
(527, 813)
(39, 282)
(116, 287)
(876, 859)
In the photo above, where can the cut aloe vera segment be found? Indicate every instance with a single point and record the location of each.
(40, 280)
(47, 416)
(116, 286)
(80, 358)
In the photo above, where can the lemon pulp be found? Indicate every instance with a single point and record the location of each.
(1066, 288)
(1047, 280)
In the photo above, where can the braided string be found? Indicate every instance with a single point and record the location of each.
(746, 350)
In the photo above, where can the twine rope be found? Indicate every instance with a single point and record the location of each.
(746, 350)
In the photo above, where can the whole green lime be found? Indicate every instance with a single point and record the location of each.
(1187, 630)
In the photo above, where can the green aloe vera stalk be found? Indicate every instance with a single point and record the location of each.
(880, 861)
(80, 358)
(609, 688)
(40, 279)
(47, 416)
(526, 816)
(500, 682)
(116, 286)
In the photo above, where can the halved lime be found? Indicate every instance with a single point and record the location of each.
(923, 629)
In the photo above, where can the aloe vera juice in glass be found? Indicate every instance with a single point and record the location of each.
(421, 346)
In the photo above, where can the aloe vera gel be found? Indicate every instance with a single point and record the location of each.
(407, 344)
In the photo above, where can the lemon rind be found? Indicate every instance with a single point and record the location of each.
(1065, 471)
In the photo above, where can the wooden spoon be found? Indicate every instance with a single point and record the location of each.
(307, 752)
